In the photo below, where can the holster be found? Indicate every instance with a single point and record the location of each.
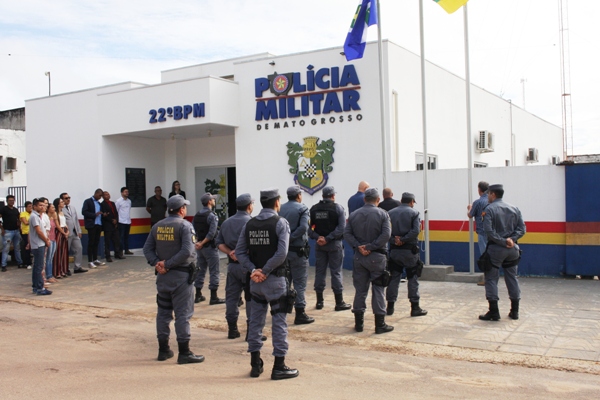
(384, 279)
(301, 251)
(285, 303)
(193, 272)
(247, 294)
(485, 262)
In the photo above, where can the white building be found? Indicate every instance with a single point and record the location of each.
(228, 126)
(12, 152)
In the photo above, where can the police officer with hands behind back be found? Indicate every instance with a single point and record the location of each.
(503, 226)
(170, 249)
(327, 221)
(296, 214)
(368, 231)
(262, 249)
(404, 253)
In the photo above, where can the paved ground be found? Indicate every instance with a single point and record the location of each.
(559, 326)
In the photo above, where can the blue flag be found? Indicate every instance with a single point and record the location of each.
(365, 16)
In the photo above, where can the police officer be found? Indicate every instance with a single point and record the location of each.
(170, 249)
(297, 215)
(404, 253)
(262, 249)
(237, 276)
(503, 226)
(368, 231)
(206, 223)
(328, 222)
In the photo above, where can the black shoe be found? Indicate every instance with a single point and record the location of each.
(189, 358)
(199, 296)
(69, 272)
(3, 269)
(415, 310)
(320, 301)
(78, 271)
(119, 257)
(165, 355)
(390, 308)
(514, 309)
(340, 305)
(302, 318)
(493, 314)
(233, 333)
(359, 321)
(381, 326)
(282, 371)
(214, 299)
(129, 253)
(21, 266)
(257, 364)
(108, 259)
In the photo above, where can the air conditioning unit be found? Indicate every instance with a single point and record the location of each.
(555, 160)
(532, 155)
(485, 144)
(11, 164)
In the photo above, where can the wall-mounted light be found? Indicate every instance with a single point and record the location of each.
(342, 53)
(272, 63)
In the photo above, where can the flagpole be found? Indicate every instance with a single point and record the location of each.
(469, 139)
(381, 96)
(425, 156)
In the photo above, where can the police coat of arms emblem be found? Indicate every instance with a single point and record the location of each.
(310, 163)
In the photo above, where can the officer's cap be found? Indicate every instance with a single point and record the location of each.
(268, 194)
(243, 200)
(406, 196)
(371, 193)
(328, 191)
(206, 197)
(176, 202)
(497, 186)
(293, 191)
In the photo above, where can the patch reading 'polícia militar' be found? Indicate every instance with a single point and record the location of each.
(310, 163)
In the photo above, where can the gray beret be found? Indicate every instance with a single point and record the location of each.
(328, 191)
(243, 200)
(371, 193)
(293, 191)
(495, 187)
(176, 202)
(408, 196)
(206, 197)
(268, 194)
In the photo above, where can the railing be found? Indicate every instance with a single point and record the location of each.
(20, 193)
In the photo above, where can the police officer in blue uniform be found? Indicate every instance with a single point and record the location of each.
(404, 253)
(297, 215)
(170, 249)
(206, 224)
(328, 221)
(237, 275)
(368, 231)
(262, 249)
(503, 226)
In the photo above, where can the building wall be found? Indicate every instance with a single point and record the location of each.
(12, 144)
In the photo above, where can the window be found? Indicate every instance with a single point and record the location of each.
(431, 161)
(479, 165)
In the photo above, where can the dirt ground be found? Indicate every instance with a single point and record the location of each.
(83, 352)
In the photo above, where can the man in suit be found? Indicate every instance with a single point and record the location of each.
(110, 217)
(92, 220)
(75, 247)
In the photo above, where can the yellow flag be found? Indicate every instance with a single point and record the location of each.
(451, 5)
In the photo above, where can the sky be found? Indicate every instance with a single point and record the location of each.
(514, 45)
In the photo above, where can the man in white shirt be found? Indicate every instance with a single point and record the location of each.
(124, 209)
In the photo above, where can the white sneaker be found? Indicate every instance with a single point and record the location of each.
(29, 267)
(92, 265)
(99, 263)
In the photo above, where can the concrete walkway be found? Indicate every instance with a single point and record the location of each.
(559, 325)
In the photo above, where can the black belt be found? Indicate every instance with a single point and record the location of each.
(279, 271)
(405, 246)
(182, 269)
(231, 260)
(296, 248)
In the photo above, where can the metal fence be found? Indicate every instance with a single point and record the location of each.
(20, 193)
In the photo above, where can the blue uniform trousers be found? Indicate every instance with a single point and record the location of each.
(174, 296)
(208, 258)
(234, 286)
(499, 254)
(331, 255)
(273, 288)
(366, 269)
(404, 258)
(299, 270)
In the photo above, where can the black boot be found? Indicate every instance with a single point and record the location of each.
(263, 337)
(199, 296)
(493, 314)
(320, 301)
(381, 326)
(164, 351)
(214, 299)
(257, 364)
(233, 330)
(302, 318)
(186, 356)
(514, 309)
(339, 303)
(390, 308)
(359, 321)
(415, 310)
(282, 371)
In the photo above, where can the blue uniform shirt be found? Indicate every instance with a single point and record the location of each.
(297, 215)
(370, 226)
(477, 212)
(231, 228)
(502, 221)
(355, 202)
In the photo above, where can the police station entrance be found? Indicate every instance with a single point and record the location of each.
(219, 181)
